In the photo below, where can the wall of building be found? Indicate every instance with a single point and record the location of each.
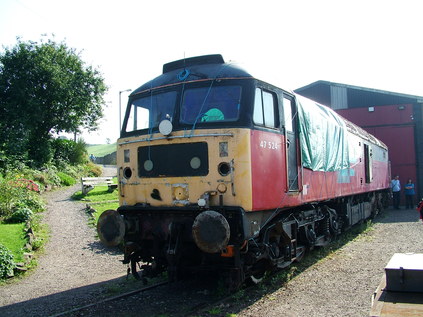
(395, 126)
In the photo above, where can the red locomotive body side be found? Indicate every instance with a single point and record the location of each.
(269, 174)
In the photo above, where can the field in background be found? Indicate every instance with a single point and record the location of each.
(100, 150)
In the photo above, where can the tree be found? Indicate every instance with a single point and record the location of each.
(45, 88)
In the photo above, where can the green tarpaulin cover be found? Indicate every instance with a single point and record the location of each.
(323, 137)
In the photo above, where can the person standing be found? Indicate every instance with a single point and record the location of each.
(396, 191)
(409, 194)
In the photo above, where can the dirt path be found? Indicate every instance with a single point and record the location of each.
(73, 265)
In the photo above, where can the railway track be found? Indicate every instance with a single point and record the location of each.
(202, 296)
(183, 298)
(77, 310)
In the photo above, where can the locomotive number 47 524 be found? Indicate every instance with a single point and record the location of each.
(268, 145)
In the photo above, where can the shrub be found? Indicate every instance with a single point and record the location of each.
(9, 196)
(49, 173)
(41, 232)
(21, 214)
(70, 151)
(7, 263)
(33, 201)
(74, 171)
(65, 179)
(93, 170)
(14, 193)
(40, 150)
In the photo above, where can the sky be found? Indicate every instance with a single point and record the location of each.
(369, 43)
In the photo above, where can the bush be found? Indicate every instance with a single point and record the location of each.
(93, 170)
(14, 194)
(33, 201)
(70, 151)
(21, 214)
(41, 232)
(39, 151)
(10, 195)
(74, 171)
(65, 179)
(49, 174)
(7, 263)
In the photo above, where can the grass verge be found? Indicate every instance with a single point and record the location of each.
(97, 209)
(98, 200)
(12, 236)
(98, 194)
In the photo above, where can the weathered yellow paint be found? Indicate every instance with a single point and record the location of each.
(187, 190)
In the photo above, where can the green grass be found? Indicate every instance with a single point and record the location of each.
(100, 208)
(98, 194)
(100, 150)
(100, 200)
(12, 236)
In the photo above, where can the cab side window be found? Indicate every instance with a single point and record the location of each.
(264, 109)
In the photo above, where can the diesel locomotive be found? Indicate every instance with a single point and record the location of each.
(218, 170)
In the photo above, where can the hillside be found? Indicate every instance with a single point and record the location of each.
(100, 150)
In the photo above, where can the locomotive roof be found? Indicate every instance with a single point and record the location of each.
(193, 69)
(355, 129)
(214, 67)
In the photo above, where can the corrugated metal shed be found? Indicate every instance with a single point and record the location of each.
(338, 95)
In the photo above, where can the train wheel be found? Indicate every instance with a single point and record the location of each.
(234, 279)
(299, 253)
(259, 270)
(257, 279)
(135, 260)
(173, 273)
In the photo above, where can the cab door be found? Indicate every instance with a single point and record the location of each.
(291, 145)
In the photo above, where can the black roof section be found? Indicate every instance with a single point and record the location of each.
(189, 62)
(357, 97)
(207, 67)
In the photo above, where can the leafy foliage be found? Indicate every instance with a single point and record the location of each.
(14, 194)
(41, 232)
(65, 179)
(69, 151)
(92, 170)
(7, 263)
(10, 195)
(45, 88)
(19, 215)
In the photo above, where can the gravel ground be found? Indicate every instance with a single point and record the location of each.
(343, 283)
(75, 267)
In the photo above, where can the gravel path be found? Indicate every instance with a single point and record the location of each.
(72, 267)
(76, 266)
